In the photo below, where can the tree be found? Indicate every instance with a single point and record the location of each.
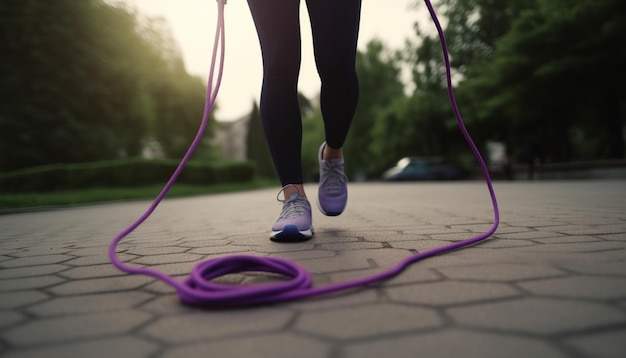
(86, 81)
(256, 146)
(548, 77)
(380, 85)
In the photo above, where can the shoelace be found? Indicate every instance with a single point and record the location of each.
(294, 206)
(333, 178)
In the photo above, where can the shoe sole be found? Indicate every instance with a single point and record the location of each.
(290, 233)
(329, 213)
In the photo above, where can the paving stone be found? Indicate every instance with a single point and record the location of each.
(88, 303)
(177, 269)
(548, 284)
(40, 251)
(35, 260)
(620, 236)
(412, 274)
(126, 347)
(167, 259)
(200, 325)
(109, 284)
(500, 272)
(337, 300)
(419, 245)
(305, 255)
(529, 235)
(450, 293)
(367, 321)
(12, 300)
(504, 244)
(167, 304)
(69, 328)
(272, 345)
(600, 268)
(216, 250)
(151, 250)
(97, 260)
(356, 245)
(568, 239)
(30, 271)
(341, 262)
(273, 248)
(208, 243)
(610, 344)
(96, 271)
(580, 247)
(29, 283)
(590, 287)
(537, 315)
(9, 318)
(453, 344)
(587, 229)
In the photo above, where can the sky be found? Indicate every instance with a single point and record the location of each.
(192, 23)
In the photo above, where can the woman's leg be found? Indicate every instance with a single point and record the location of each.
(278, 28)
(335, 27)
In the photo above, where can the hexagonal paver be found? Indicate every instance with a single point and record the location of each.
(11, 300)
(126, 347)
(89, 303)
(450, 292)
(29, 283)
(31, 271)
(356, 260)
(109, 284)
(68, 328)
(214, 324)
(453, 344)
(593, 287)
(8, 318)
(610, 344)
(167, 259)
(95, 271)
(273, 345)
(537, 315)
(500, 272)
(367, 321)
(35, 260)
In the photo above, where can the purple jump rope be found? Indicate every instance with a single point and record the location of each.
(198, 289)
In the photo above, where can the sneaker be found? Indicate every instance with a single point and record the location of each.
(294, 223)
(332, 195)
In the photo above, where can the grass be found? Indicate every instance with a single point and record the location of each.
(13, 201)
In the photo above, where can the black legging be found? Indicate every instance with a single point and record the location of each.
(335, 28)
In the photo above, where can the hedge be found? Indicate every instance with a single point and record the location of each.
(121, 173)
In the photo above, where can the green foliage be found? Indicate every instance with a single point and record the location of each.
(380, 85)
(88, 81)
(256, 146)
(555, 74)
(121, 173)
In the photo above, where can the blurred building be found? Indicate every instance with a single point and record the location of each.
(230, 137)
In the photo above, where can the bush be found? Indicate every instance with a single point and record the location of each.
(121, 173)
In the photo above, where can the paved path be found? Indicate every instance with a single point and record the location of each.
(550, 283)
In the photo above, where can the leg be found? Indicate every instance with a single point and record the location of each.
(335, 27)
(278, 28)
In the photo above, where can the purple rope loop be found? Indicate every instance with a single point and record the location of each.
(198, 289)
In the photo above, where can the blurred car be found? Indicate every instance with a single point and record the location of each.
(418, 168)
